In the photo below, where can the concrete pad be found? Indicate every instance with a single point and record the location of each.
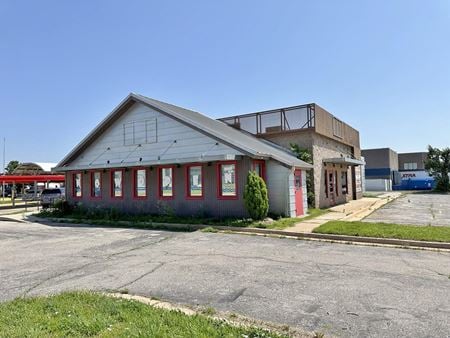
(415, 208)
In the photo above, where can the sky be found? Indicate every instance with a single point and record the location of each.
(381, 66)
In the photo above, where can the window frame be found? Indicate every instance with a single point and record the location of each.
(263, 168)
(160, 193)
(112, 190)
(135, 195)
(188, 181)
(74, 194)
(219, 180)
(92, 185)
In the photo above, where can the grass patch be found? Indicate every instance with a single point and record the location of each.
(386, 230)
(113, 218)
(82, 314)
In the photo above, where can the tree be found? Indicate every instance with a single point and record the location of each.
(306, 156)
(437, 165)
(256, 197)
(11, 166)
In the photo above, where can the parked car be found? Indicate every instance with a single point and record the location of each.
(50, 196)
(29, 195)
(8, 191)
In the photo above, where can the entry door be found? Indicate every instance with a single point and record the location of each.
(298, 192)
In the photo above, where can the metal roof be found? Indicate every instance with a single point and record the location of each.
(218, 130)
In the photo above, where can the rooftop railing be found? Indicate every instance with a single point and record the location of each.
(274, 121)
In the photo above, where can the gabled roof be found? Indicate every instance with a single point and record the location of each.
(215, 129)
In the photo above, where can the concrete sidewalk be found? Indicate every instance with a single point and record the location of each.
(352, 211)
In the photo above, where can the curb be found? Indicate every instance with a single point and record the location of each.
(19, 206)
(300, 235)
(343, 238)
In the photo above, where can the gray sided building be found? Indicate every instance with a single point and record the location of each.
(404, 171)
(153, 157)
(381, 163)
(335, 147)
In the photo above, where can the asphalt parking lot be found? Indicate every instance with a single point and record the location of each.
(343, 290)
(415, 208)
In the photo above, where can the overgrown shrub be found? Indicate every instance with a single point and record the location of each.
(256, 197)
(63, 207)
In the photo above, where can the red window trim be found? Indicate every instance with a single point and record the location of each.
(263, 167)
(187, 182)
(160, 196)
(111, 186)
(91, 187)
(73, 184)
(135, 196)
(219, 180)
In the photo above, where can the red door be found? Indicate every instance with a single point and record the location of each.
(298, 192)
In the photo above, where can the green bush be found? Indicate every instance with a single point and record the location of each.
(63, 207)
(256, 197)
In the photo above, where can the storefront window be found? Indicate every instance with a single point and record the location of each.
(344, 183)
(77, 191)
(166, 182)
(96, 184)
(259, 168)
(195, 183)
(227, 180)
(117, 187)
(140, 179)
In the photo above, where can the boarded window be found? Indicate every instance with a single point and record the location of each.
(140, 132)
(337, 127)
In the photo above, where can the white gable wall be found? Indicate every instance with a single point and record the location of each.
(190, 143)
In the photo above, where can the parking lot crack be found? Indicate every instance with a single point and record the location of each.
(160, 265)
(42, 282)
(138, 247)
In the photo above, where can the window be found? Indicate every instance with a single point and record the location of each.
(116, 183)
(96, 184)
(326, 183)
(227, 179)
(410, 166)
(344, 183)
(336, 182)
(194, 180)
(259, 166)
(77, 190)
(166, 182)
(140, 132)
(140, 183)
(337, 127)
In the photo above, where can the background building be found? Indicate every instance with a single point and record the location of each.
(335, 147)
(387, 170)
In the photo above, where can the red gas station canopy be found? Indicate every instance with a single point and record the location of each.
(31, 178)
